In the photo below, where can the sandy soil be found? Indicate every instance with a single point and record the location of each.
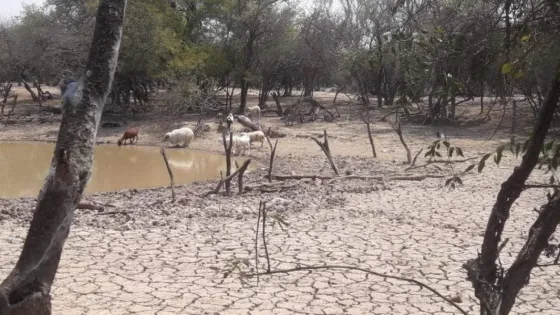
(150, 256)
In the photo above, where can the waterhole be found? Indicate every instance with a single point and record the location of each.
(24, 165)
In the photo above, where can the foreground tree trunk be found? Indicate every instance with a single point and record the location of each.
(497, 292)
(27, 288)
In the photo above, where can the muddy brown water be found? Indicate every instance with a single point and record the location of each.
(24, 166)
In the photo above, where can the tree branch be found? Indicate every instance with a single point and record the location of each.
(362, 270)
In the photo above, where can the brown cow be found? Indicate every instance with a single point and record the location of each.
(130, 134)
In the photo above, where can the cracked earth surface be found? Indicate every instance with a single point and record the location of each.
(162, 258)
(411, 229)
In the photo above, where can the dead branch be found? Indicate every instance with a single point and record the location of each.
(113, 213)
(262, 207)
(228, 178)
(257, 243)
(242, 170)
(12, 109)
(540, 186)
(248, 123)
(31, 92)
(272, 155)
(380, 178)
(162, 151)
(325, 147)
(215, 190)
(366, 121)
(336, 95)
(199, 128)
(276, 98)
(398, 129)
(416, 157)
(272, 187)
(384, 117)
(89, 206)
(382, 275)
(227, 148)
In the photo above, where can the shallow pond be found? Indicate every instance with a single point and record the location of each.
(24, 165)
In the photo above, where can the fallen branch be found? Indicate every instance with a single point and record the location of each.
(170, 175)
(325, 147)
(227, 179)
(272, 187)
(114, 212)
(89, 206)
(380, 178)
(248, 123)
(540, 186)
(382, 275)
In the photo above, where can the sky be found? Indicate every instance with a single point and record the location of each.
(10, 8)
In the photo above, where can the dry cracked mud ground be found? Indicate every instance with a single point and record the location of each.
(145, 255)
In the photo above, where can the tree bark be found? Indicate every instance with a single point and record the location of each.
(483, 271)
(520, 271)
(246, 122)
(27, 288)
(243, 96)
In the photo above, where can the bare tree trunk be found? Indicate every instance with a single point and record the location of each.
(33, 95)
(243, 97)
(366, 121)
(337, 92)
(326, 149)
(27, 288)
(279, 109)
(7, 90)
(162, 151)
(496, 293)
(482, 97)
(263, 96)
(513, 121)
(398, 129)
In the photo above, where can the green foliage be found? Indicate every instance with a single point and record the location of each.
(448, 150)
(506, 68)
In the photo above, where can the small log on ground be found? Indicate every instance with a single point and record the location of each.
(89, 206)
(248, 123)
(274, 133)
(272, 187)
